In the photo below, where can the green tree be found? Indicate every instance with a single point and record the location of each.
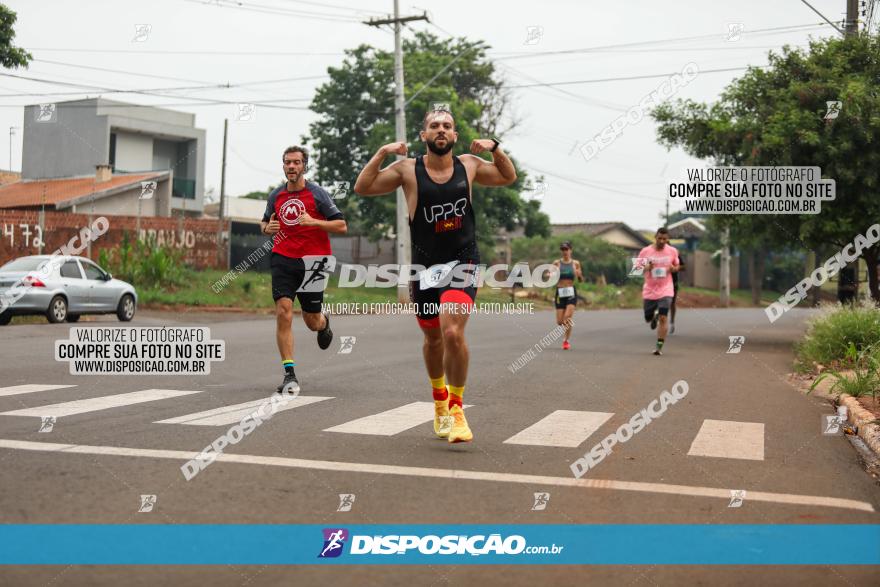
(776, 116)
(356, 118)
(10, 57)
(598, 257)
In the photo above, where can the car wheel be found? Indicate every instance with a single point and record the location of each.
(73, 317)
(57, 311)
(5, 317)
(125, 309)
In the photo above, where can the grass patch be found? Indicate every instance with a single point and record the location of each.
(740, 296)
(252, 290)
(831, 333)
(607, 297)
(865, 376)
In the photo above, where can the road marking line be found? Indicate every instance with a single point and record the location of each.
(566, 428)
(456, 474)
(94, 404)
(390, 422)
(729, 440)
(233, 414)
(29, 388)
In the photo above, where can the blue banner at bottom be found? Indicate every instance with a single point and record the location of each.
(541, 544)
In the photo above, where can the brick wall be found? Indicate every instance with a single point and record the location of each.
(21, 233)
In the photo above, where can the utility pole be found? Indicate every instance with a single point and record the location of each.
(43, 219)
(724, 277)
(402, 227)
(222, 213)
(12, 130)
(140, 199)
(851, 26)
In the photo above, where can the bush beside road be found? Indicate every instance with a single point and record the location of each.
(838, 360)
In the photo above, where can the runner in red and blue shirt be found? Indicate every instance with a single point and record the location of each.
(300, 215)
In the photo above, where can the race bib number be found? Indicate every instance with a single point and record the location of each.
(435, 274)
(566, 292)
(658, 272)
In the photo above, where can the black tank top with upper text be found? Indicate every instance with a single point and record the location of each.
(444, 226)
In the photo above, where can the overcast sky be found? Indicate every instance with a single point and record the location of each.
(198, 43)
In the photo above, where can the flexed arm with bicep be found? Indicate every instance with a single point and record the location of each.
(374, 181)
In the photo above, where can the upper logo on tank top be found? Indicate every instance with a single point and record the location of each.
(446, 217)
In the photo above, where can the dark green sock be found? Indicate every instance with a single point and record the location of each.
(660, 342)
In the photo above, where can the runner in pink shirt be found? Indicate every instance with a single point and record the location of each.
(659, 261)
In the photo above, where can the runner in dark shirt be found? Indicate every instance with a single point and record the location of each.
(674, 305)
(437, 187)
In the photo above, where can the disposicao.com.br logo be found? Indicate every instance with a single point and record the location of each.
(429, 544)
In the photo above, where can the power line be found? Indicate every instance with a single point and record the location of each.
(108, 70)
(209, 101)
(592, 185)
(627, 78)
(187, 52)
(533, 54)
(823, 16)
(205, 84)
(115, 90)
(277, 172)
(497, 55)
(264, 9)
(337, 6)
(565, 93)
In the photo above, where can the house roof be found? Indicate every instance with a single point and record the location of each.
(9, 176)
(245, 210)
(599, 228)
(64, 191)
(686, 227)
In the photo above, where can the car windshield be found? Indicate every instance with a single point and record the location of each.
(23, 264)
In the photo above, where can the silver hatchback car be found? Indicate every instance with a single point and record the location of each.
(65, 289)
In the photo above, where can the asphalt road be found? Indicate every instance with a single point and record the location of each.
(741, 426)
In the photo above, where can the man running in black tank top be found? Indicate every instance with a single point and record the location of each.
(437, 187)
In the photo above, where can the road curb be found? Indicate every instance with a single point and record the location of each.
(856, 414)
(859, 416)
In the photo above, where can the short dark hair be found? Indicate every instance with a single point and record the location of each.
(663, 230)
(436, 111)
(296, 149)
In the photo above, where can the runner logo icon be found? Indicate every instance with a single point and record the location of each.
(334, 540)
(541, 500)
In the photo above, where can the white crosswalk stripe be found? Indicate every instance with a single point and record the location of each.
(729, 440)
(390, 422)
(564, 428)
(233, 414)
(29, 388)
(99, 403)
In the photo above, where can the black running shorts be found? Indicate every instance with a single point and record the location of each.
(288, 275)
(661, 305)
(563, 302)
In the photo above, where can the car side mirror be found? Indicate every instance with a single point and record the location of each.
(108, 277)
